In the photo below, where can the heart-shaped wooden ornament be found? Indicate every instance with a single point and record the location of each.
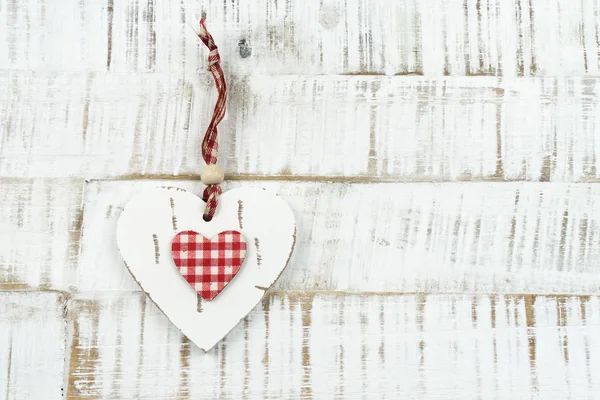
(152, 221)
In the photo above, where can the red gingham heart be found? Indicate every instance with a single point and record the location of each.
(208, 265)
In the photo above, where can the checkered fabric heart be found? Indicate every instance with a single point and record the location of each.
(208, 265)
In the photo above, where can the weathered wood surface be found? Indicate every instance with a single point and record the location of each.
(326, 346)
(471, 101)
(40, 222)
(33, 348)
(98, 125)
(450, 37)
(394, 237)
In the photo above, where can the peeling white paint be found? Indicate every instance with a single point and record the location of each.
(517, 237)
(356, 91)
(455, 37)
(363, 127)
(389, 346)
(33, 336)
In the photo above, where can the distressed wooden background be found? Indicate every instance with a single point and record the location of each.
(440, 157)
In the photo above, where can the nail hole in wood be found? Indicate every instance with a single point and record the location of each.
(244, 48)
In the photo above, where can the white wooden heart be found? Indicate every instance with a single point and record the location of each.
(151, 219)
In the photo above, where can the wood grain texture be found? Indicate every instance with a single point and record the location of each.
(395, 290)
(322, 346)
(390, 237)
(40, 224)
(33, 336)
(98, 125)
(450, 37)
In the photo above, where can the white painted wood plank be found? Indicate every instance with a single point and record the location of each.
(40, 224)
(33, 336)
(396, 128)
(456, 37)
(451, 237)
(345, 346)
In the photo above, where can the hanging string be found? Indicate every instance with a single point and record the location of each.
(210, 144)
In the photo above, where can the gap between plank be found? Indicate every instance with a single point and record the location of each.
(324, 178)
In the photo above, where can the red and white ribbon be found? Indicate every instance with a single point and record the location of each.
(210, 144)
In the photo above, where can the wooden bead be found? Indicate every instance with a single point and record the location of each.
(212, 174)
